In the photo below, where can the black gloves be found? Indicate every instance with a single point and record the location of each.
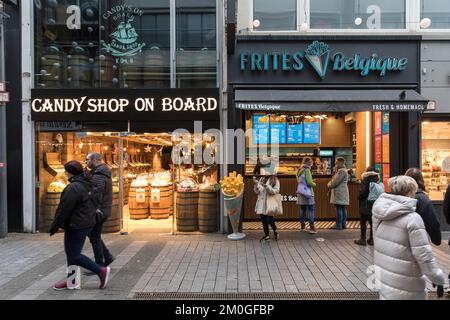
(52, 230)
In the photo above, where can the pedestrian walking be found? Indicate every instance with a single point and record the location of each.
(268, 202)
(305, 195)
(339, 193)
(102, 184)
(425, 207)
(76, 215)
(402, 252)
(370, 186)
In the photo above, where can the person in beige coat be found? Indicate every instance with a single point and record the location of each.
(339, 193)
(402, 253)
(268, 184)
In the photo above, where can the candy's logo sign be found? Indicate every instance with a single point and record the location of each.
(124, 44)
(318, 55)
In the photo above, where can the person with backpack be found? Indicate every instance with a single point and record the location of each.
(369, 191)
(425, 207)
(102, 183)
(265, 187)
(76, 215)
(339, 193)
(305, 195)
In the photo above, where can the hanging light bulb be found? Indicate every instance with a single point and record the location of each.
(304, 27)
(425, 23)
(358, 21)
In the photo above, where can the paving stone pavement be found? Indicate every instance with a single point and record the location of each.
(198, 263)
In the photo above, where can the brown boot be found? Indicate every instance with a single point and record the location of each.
(360, 242)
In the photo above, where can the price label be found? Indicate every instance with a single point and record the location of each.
(446, 164)
(140, 195)
(4, 97)
(155, 195)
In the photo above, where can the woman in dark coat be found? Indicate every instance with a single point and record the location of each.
(365, 207)
(76, 215)
(425, 207)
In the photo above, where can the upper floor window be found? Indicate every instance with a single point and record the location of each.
(438, 11)
(275, 15)
(358, 14)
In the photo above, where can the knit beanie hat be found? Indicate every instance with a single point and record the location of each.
(74, 167)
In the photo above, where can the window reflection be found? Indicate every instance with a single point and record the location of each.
(196, 43)
(374, 14)
(275, 15)
(438, 11)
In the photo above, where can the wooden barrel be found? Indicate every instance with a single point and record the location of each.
(51, 70)
(138, 210)
(163, 208)
(187, 207)
(78, 70)
(126, 190)
(207, 211)
(102, 72)
(155, 63)
(113, 222)
(51, 204)
(131, 74)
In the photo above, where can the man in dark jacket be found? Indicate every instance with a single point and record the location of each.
(365, 206)
(425, 207)
(102, 182)
(76, 215)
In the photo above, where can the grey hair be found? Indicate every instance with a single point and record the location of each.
(402, 185)
(95, 156)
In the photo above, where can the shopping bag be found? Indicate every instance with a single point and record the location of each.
(274, 205)
(303, 188)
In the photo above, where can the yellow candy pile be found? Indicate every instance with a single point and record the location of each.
(233, 184)
(56, 186)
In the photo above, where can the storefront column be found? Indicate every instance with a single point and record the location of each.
(28, 169)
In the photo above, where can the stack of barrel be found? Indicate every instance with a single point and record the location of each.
(197, 210)
(161, 207)
(113, 222)
(103, 70)
(79, 68)
(52, 68)
(138, 202)
(51, 204)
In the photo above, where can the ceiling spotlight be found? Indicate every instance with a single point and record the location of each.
(425, 23)
(304, 27)
(358, 21)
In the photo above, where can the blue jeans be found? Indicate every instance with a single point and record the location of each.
(101, 252)
(73, 245)
(303, 209)
(341, 215)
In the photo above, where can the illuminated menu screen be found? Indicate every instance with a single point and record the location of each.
(295, 133)
(260, 129)
(311, 133)
(277, 130)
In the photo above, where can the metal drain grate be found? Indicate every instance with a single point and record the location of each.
(257, 296)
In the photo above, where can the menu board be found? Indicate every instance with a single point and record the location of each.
(378, 123)
(385, 122)
(277, 130)
(295, 133)
(311, 133)
(260, 129)
(385, 144)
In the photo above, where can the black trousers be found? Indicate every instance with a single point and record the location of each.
(364, 219)
(101, 252)
(266, 221)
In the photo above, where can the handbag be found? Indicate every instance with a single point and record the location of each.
(303, 188)
(274, 204)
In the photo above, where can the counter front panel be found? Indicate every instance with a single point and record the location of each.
(291, 210)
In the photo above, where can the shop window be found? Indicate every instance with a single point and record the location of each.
(436, 158)
(156, 180)
(124, 44)
(357, 14)
(438, 11)
(272, 15)
(196, 44)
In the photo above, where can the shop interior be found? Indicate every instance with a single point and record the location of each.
(154, 178)
(436, 158)
(323, 137)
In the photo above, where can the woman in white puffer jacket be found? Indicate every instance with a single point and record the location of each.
(403, 255)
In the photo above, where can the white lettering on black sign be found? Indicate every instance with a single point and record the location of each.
(121, 105)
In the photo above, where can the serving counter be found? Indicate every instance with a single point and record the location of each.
(291, 210)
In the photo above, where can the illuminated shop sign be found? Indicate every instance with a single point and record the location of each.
(320, 58)
(78, 104)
